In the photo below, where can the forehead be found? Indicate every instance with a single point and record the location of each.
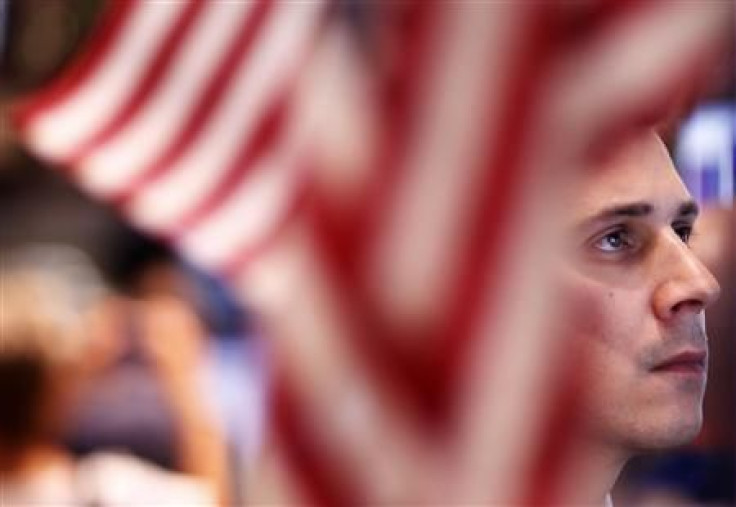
(639, 171)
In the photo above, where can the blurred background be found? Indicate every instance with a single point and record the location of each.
(136, 291)
(133, 289)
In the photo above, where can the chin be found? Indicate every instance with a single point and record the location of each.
(665, 434)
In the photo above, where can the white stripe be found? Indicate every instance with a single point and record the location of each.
(250, 214)
(61, 129)
(258, 83)
(163, 115)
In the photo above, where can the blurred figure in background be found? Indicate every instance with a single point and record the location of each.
(164, 306)
(43, 366)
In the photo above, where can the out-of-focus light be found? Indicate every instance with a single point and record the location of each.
(705, 152)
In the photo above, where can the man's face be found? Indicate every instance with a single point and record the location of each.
(643, 293)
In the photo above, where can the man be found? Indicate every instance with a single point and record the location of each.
(643, 326)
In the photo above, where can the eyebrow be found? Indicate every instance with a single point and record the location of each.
(640, 209)
(637, 209)
(689, 208)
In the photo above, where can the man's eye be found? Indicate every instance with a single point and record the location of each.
(685, 231)
(614, 241)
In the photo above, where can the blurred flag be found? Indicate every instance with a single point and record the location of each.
(380, 183)
(191, 95)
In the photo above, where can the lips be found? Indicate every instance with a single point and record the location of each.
(689, 361)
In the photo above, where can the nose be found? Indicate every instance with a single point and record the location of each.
(686, 286)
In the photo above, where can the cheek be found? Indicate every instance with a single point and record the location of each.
(610, 327)
(591, 313)
(612, 317)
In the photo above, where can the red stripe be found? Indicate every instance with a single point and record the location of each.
(97, 48)
(316, 464)
(578, 26)
(216, 90)
(563, 421)
(146, 86)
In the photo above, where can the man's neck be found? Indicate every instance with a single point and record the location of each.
(592, 472)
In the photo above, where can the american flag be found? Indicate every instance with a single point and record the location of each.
(376, 181)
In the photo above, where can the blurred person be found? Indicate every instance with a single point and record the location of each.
(163, 301)
(124, 373)
(169, 342)
(644, 291)
(42, 364)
